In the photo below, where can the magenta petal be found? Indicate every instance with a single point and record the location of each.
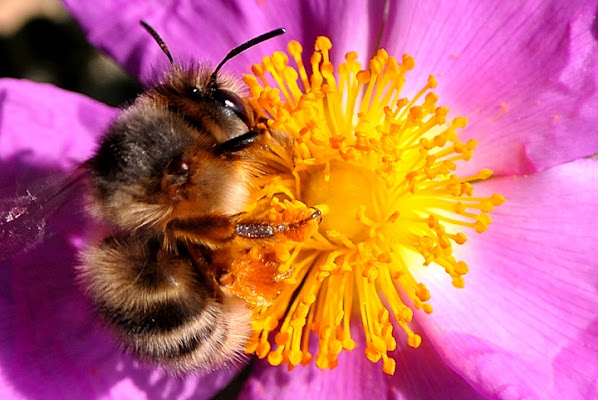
(207, 31)
(44, 125)
(420, 374)
(526, 322)
(524, 74)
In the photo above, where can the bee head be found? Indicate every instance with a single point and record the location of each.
(179, 151)
(182, 149)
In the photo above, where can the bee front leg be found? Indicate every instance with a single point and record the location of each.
(209, 230)
(215, 231)
(294, 231)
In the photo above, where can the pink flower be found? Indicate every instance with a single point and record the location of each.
(525, 326)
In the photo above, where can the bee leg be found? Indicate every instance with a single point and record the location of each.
(216, 230)
(210, 230)
(260, 230)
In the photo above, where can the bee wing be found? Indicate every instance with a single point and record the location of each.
(23, 218)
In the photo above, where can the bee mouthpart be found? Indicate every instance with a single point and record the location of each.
(237, 143)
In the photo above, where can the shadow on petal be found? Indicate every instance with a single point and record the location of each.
(580, 351)
(594, 27)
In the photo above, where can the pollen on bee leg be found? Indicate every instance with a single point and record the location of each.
(380, 166)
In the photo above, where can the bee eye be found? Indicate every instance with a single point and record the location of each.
(233, 103)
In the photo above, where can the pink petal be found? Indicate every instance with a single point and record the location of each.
(420, 374)
(45, 125)
(208, 31)
(526, 322)
(525, 74)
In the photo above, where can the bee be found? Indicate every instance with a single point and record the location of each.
(169, 182)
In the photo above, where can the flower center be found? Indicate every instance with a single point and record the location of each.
(380, 167)
(345, 190)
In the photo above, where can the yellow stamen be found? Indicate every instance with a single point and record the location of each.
(380, 166)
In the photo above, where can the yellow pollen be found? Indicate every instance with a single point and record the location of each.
(380, 166)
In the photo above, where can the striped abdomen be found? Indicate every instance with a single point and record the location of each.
(162, 306)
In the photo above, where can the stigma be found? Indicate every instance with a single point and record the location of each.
(380, 165)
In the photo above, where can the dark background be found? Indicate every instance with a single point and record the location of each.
(48, 46)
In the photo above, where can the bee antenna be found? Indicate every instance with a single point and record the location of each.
(242, 47)
(158, 40)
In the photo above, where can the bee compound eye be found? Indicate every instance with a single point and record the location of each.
(231, 101)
